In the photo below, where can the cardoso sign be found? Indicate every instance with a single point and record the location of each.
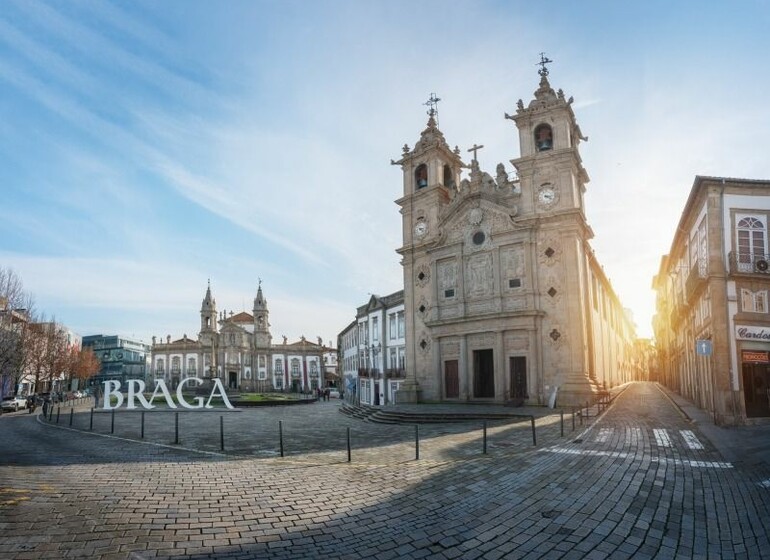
(136, 389)
(752, 333)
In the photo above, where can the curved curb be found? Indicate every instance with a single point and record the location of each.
(673, 402)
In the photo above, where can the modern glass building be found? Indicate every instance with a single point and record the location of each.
(121, 358)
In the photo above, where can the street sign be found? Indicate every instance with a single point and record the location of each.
(703, 347)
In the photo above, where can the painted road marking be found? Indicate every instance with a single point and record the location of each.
(633, 436)
(623, 455)
(661, 438)
(603, 435)
(690, 439)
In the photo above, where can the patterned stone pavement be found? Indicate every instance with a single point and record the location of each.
(640, 482)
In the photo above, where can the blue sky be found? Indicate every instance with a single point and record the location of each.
(146, 147)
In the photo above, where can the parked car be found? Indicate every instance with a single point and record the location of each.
(14, 403)
(333, 393)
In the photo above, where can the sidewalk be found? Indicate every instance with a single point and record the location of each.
(738, 444)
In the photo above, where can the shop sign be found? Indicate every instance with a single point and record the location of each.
(755, 357)
(752, 333)
(136, 389)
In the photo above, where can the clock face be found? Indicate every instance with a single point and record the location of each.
(421, 228)
(546, 196)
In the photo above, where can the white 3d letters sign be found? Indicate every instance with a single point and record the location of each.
(136, 389)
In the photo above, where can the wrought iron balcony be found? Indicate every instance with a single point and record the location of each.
(396, 373)
(749, 263)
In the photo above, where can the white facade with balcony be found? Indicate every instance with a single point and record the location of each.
(373, 350)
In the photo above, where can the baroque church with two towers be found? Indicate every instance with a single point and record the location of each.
(505, 301)
(238, 349)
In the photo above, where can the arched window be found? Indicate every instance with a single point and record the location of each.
(448, 179)
(751, 236)
(543, 138)
(421, 176)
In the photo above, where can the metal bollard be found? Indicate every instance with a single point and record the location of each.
(561, 414)
(221, 433)
(416, 442)
(72, 412)
(176, 428)
(588, 412)
(349, 454)
(142, 434)
(280, 435)
(112, 422)
(534, 436)
(573, 418)
(485, 437)
(91, 423)
(58, 411)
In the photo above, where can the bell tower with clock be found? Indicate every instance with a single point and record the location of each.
(550, 167)
(431, 179)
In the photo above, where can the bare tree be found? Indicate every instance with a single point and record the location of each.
(16, 312)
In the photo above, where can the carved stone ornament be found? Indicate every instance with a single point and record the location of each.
(424, 343)
(423, 307)
(549, 250)
(422, 275)
(475, 216)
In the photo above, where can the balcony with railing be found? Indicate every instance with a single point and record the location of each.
(395, 373)
(749, 263)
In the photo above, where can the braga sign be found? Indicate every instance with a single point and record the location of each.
(136, 389)
(752, 333)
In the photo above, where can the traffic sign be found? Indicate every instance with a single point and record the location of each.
(703, 347)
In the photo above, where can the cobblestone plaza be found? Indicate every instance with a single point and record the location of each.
(638, 480)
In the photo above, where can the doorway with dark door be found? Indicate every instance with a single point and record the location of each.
(377, 394)
(232, 380)
(483, 374)
(756, 389)
(451, 380)
(518, 375)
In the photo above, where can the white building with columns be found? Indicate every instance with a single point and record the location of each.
(238, 349)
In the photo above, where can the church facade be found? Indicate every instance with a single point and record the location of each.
(504, 299)
(238, 349)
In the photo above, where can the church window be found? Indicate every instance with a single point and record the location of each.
(552, 292)
(549, 252)
(295, 368)
(543, 138)
(421, 276)
(401, 324)
(421, 176)
(375, 329)
(392, 325)
(449, 293)
(159, 366)
(191, 370)
(479, 237)
(514, 283)
(176, 366)
(448, 181)
(752, 237)
(261, 361)
(422, 308)
(555, 335)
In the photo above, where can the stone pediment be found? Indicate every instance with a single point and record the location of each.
(230, 327)
(474, 215)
